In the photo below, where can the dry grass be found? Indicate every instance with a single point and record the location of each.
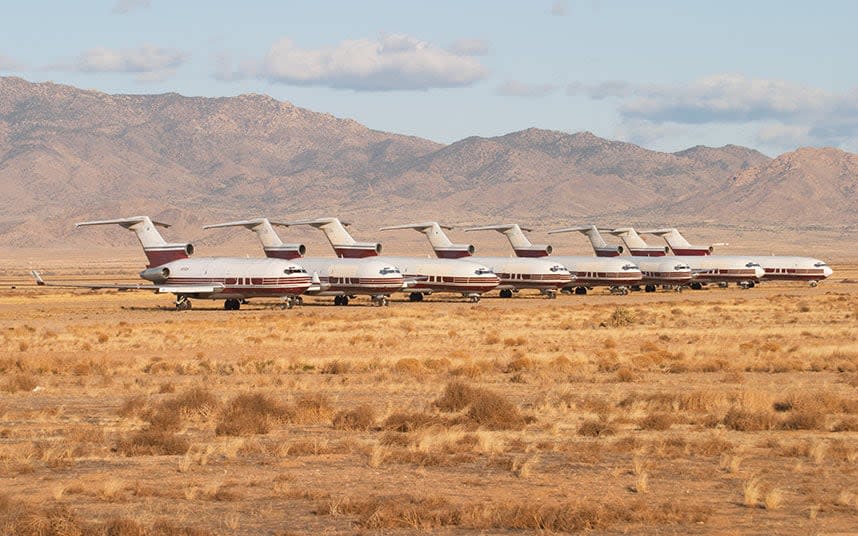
(250, 413)
(616, 414)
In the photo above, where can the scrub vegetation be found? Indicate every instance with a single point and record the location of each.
(710, 412)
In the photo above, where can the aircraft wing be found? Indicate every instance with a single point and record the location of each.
(161, 289)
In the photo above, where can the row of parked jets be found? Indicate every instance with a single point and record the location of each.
(359, 268)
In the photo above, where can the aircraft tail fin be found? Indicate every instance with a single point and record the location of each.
(600, 247)
(157, 250)
(444, 248)
(517, 239)
(678, 244)
(271, 242)
(636, 244)
(335, 231)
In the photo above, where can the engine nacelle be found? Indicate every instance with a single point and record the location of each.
(358, 250)
(534, 250)
(163, 254)
(286, 251)
(455, 251)
(610, 251)
(693, 250)
(653, 251)
(156, 275)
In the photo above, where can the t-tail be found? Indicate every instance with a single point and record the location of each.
(157, 250)
(272, 245)
(444, 248)
(519, 242)
(637, 246)
(600, 247)
(678, 244)
(344, 245)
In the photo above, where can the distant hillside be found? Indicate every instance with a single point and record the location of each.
(68, 154)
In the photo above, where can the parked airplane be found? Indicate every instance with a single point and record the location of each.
(515, 273)
(721, 269)
(231, 279)
(425, 275)
(617, 274)
(776, 267)
(342, 278)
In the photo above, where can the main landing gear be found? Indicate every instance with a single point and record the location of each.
(473, 298)
(341, 300)
(183, 303)
(380, 301)
(415, 297)
(232, 304)
(622, 291)
(649, 288)
(506, 293)
(549, 293)
(291, 301)
(814, 284)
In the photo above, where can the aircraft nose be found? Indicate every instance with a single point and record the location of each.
(827, 271)
(759, 272)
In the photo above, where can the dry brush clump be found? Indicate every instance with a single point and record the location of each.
(25, 519)
(360, 418)
(251, 413)
(484, 408)
(427, 513)
(165, 419)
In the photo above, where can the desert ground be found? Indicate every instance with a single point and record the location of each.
(722, 411)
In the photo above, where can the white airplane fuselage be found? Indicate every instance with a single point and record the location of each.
(527, 273)
(782, 268)
(597, 271)
(445, 275)
(351, 277)
(722, 268)
(664, 270)
(229, 278)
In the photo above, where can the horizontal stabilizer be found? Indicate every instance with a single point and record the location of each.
(124, 222)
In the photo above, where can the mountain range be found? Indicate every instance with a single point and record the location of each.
(68, 154)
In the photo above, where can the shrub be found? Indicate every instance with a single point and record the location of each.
(153, 442)
(657, 421)
(743, 420)
(485, 408)
(20, 382)
(596, 428)
(360, 418)
(250, 413)
(621, 317)
(409, 422)
(312, 408)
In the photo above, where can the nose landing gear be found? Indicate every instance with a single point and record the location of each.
(183, 303)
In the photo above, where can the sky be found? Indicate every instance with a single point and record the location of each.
(666, 75)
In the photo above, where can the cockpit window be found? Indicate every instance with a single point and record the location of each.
(557, 268)
(753, 265)
(820, 264)
(681, 267)
(388, 270)
(631, 267)
(294, 270)
(483, 271)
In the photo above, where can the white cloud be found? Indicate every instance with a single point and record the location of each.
(8, 64)
(558, 9)
(470, 47)
(782, 113)
(391, 62)
(514, 88)
(151, 62)
(125, 6)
